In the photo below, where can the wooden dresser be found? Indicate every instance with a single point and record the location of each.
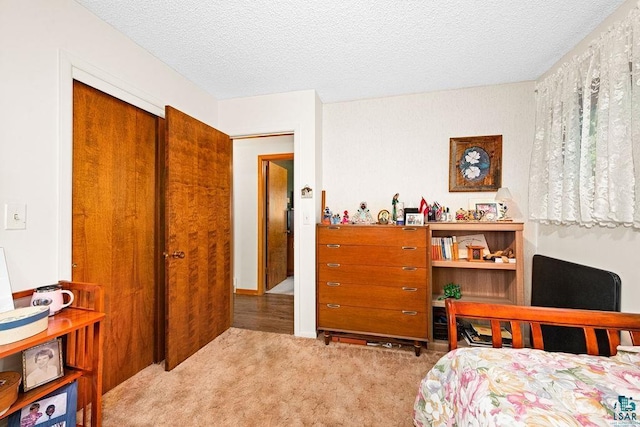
(373, 280)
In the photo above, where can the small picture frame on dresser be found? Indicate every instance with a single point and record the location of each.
(413, 218)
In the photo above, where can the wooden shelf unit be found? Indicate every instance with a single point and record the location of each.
(486, 281)
(80, 328)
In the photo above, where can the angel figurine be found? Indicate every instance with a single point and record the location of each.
(394, 202)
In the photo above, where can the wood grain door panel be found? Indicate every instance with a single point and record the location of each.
(113, 223)
(197, 236)
(276, 224)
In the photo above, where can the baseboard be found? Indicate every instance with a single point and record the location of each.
(246, 291)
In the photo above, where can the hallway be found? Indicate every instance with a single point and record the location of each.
(268, 313)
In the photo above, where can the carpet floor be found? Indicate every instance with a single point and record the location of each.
(245, 378)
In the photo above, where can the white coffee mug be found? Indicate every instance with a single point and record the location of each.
(52, 296)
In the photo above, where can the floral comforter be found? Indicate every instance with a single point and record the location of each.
(508, 387)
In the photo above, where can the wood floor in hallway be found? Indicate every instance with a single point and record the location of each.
(268, 313)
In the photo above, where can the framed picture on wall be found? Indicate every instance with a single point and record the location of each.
(475, 163)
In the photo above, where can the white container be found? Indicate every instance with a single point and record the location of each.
(21, 323)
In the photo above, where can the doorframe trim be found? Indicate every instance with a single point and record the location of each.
(262, 181)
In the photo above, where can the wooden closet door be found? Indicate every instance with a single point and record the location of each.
(113, 228)
(276, 224)
(197, 235)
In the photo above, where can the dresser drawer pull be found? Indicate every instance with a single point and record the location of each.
(333, 227)
(409, 248)
(333, 246)
(409, 268)
(409, 229)
(333, 265)
(333, 305)
(408, 289)
(333, 283)
(409, 313)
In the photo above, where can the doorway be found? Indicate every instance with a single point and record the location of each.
(255, 306)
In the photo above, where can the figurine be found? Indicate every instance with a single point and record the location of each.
(394, 212)
(363, 216)
(326, 217)
(345, 217)
(335, 219)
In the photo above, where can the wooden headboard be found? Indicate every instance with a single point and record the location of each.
(517, 315)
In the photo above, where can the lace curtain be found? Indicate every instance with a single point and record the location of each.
(585, 164)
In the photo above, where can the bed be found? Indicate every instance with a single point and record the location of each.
(525, 385)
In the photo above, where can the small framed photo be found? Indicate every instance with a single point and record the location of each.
(490, 208)
(41, 364)
(58, 409)
(383, 216)
(413, 218)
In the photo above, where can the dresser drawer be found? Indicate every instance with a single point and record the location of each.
(407, 256)
(372, 235)
(386, 297)
(378, 275)
(393, 323)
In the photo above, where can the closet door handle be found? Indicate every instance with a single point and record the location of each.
(409, 248)
(333, 305)
(333, 246)
(409, 268)
(333, 265)
(333, 283)
(409, 313)
(406, 288)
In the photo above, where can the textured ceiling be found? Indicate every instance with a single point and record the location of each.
(357, 49)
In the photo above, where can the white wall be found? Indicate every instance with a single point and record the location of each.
(300, 113)
(375, 148)
(605, 248)
(43, 43)
(245, 203)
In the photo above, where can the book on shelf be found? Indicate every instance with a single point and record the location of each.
(480, 335)
(444, 248)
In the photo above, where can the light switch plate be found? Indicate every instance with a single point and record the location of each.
(15, 216)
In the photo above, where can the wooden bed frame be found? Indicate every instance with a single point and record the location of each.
(517, 315)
